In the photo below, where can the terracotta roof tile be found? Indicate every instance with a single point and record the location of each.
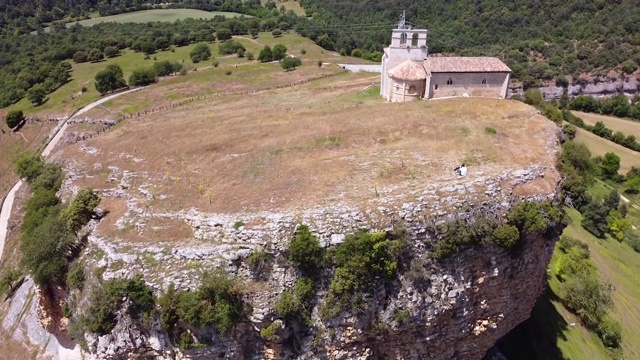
(438, 64)
(409, 70)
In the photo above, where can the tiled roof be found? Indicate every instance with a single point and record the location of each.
(409, 70)
(437, 64)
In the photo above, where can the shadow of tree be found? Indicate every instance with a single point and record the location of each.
(537, 337)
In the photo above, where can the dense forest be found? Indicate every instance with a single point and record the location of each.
(35, 64)
(540, 40)
(29, 15)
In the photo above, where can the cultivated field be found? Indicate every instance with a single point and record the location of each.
(144, 16)
(600, 146)
(288, 5)
(626, 126)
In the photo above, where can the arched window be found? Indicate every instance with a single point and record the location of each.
(414, 40)
(484, 81)
(436, 86)
(449, 82)
(403, 38)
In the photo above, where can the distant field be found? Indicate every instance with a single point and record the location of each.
(619, 265)
(626, 126)
(600, 146)
(144, 16)
(289, 5)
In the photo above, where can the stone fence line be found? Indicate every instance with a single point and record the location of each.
(111, 123)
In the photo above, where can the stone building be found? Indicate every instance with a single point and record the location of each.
(408, 73)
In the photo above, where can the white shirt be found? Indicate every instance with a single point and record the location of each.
(463, 171)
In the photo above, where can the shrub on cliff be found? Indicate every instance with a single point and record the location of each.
(80, 211)
(505, 236)
(106, 301)
(218, 302)
(360, 262)
(305, 252)
(296, 304)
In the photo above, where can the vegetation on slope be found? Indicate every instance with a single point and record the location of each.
(40, 61)
(539, 40)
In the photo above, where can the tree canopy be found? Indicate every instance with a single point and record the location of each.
(110, 79)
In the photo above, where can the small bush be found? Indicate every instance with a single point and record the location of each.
(201, 52)
(250, 56)
(270, 333)
(9, 276)
(231, 47)
(506, 236)
(258, 260)
(185, 341)
(303, 51)
(319, 63)
(76, 277)
(290, 63)
(143, 76)
(238, 224)
(401, 315)
(228, 72)
(610, 332)
(216, 63)
(14, 118)
(490, 130)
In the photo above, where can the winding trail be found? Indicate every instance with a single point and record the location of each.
(54, 139)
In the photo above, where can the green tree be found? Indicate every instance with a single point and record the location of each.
(29, 165)
(200, 52)
(80, 57)
(276, 33)
(14, 118)
(80, 211)
(290, 63)
(266, 54)
(305, 251)
(95, 55)
(143, 76)
(44, 251)
(610, 165)
(36, 94)
(111, 51)
(279, 52)
(224, 34)
(110, 79)
(254, 32)
(595, 218)
(612, 201)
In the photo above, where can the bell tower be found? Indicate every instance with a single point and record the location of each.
(407, 43)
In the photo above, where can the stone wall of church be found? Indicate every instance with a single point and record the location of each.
(472, 84)
(402, 91)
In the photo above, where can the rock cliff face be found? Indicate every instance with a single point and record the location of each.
(457, 309)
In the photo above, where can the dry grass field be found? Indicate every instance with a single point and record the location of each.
(334, 140)
(600, 146)
(626, 126)
(30, 137)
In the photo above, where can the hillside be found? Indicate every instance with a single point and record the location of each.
(540, 40)
(223, 178)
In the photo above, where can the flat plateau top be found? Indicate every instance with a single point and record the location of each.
(328, 142)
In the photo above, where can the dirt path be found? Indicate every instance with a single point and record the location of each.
(54, 139)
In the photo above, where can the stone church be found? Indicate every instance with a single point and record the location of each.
(408, 73)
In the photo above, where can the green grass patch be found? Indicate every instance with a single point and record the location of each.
(163, 15)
